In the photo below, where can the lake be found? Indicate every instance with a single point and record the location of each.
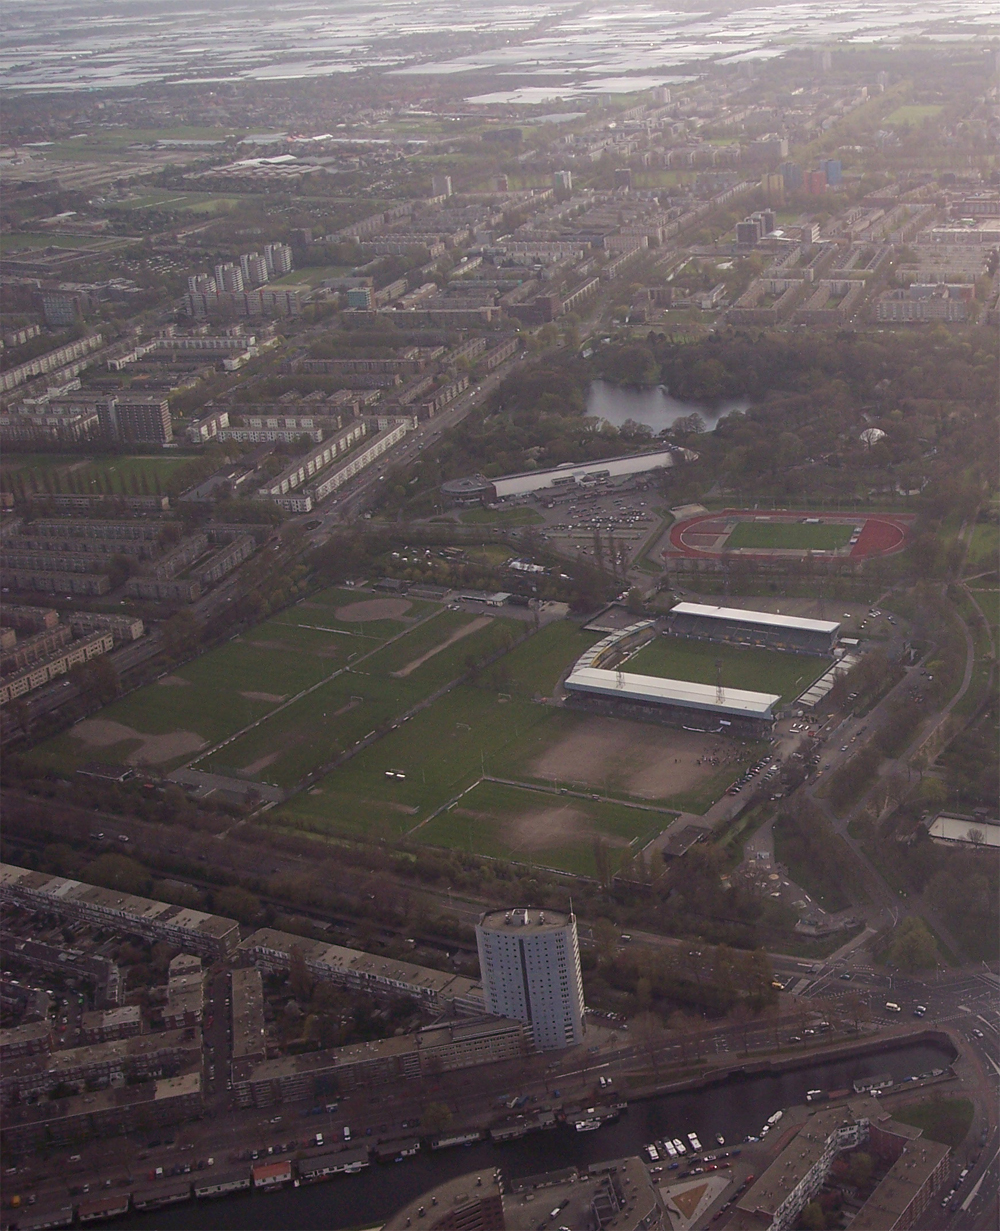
(653, 407)
(736, 1109)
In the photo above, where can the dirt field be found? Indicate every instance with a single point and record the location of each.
(543, 828)
(646, 761)
(264, 696)
(373, 609)
(154, 750)
(457, 635)
(174, 681)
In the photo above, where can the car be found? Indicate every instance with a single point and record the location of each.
(978, 1034)
(795, 1038)
(847, 975)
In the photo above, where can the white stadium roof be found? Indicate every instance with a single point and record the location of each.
(656, 690)
(765, 618)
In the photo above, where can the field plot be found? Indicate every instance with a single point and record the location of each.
(983, 554)
(539, 827)
(318, 727)
(678, 769)
(444, 748)
(789, 536)
(442, 648)
(770, 671)
(439, 752)
(358, 613)
(201, 703)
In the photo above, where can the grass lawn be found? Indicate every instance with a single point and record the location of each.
(539, 827)
(914, 113)
(945, 1120)
(320, 611)
(501, 517)
(441, 750)
(312, 275)
(789, 536)
(768, 671)
(225, 689)
(117, 470)
(984, 549)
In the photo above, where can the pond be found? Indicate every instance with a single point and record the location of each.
(654, 407)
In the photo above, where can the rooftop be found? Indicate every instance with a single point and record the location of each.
(764, 618)
(660, 691)
(525, 919)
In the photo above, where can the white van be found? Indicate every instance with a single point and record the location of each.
(892, 1006)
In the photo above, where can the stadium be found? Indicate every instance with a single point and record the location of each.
(790, 652)
(785, 535)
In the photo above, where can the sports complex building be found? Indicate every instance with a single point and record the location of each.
(760, 629)
(599, 683)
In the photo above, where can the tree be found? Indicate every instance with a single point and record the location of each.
(912, 947)
(813, 1217)
(436, 1118)
(649, 1035)
(118, 872)
(299, 979)
(859, 1170)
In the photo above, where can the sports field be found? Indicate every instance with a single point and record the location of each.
(500, 728)
(789, 536)
(676, 658)
(240, 683)
(542, 827)
(368, 697)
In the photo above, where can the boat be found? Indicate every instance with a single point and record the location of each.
(772, 1120)
(587, 1126)
(669, 1148)
(680, 1147)
(446, 1140)
(719, 1139)
(813, 1096)
(652, 1153)
(695, 1143)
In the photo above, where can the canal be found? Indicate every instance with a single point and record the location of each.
(735, 1109)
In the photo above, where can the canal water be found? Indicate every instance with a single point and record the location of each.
(653, 407)
(735, 1109)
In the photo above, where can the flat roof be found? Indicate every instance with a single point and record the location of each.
(969, 829)
(523, 919)
(659, 691)
(764, 618)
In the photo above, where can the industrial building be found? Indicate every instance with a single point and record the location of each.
(758, 629)
(530, 966)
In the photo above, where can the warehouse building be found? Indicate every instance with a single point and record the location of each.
(757, 629)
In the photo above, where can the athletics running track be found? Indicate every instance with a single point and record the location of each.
(882, 534)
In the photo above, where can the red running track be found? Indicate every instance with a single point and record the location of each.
(881, 535)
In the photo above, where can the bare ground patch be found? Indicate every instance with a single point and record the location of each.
(541, 828)
(174, 681)
(457, 635)
(153, 749)
(270, 645)
(265, 696)
(647, 761)
(373, 609)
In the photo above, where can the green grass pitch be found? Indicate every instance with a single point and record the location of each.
(770, 671)
(789, 536)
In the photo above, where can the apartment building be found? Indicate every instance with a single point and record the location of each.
(194, 931)
(74, 653)
(106, 1025)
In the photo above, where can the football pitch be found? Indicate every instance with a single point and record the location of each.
(770, 671)
(789, 536)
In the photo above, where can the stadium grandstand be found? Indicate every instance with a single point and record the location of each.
(595, 684)
(754, 629)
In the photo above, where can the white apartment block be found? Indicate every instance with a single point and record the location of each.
(529, 961)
